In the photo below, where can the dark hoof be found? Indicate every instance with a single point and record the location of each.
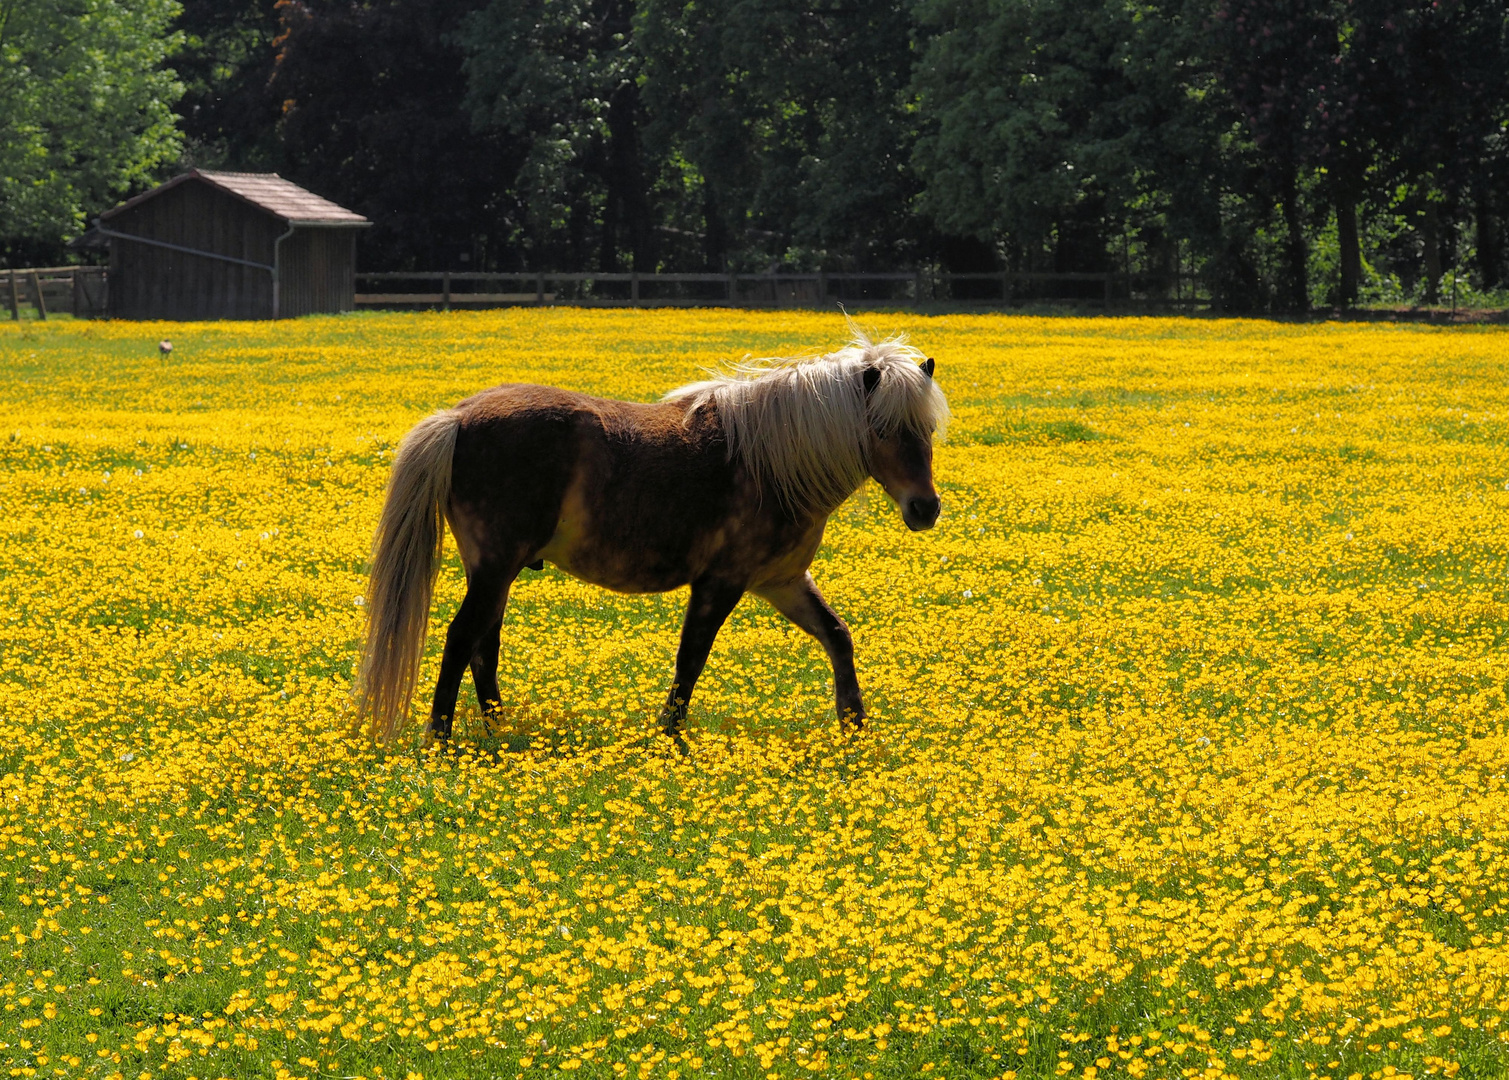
(439, 731)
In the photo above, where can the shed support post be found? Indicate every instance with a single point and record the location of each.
(445, 291)
(36, 284)
(73, 278)
(634, 289)
(15, 299)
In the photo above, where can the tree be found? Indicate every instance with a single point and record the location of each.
(373, 117)
(793, 122)
(85, 113)
(229, 113)
(1440, 89)
(562, 78)
(1051, 128)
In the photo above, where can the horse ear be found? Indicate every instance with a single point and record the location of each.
(872, 380)
(927, 367)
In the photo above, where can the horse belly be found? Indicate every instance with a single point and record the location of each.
(613, 560)
(624, 545)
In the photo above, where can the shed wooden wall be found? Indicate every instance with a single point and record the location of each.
(318, 271)
(317, 263)
(149, 282)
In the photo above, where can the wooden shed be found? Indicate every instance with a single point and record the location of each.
(224, 245)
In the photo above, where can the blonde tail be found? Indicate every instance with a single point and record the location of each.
(405, 559)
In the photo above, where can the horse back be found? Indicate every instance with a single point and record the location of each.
(626, 495)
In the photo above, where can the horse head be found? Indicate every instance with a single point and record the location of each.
(900, 459)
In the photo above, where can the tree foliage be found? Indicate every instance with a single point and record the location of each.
(1281, 152)
(85, 111)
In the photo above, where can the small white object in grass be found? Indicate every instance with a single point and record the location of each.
(165, 347)
(138, 534)
(968, 594)
(1349, 536)
(1203, 740)
(358, 601)
(129, 755)
(107, 478)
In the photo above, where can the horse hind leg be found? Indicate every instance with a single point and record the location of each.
(481, 609)
(712, 601)
(485, 669)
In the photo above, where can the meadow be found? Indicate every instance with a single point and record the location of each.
(1188, 754)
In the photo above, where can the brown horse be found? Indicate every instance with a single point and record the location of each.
(724, 485)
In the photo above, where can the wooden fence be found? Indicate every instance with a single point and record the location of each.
(79, 290)
(478, 289)
(84, 290)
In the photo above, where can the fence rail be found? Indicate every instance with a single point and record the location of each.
(477, 288)
(84, 290)
(80, 290)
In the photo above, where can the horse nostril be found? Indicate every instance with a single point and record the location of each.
(924, 509)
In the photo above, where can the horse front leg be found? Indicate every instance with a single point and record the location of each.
(709, 606)
(482, 607)
(800, 602)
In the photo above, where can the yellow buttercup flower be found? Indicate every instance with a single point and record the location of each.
(1186, 758)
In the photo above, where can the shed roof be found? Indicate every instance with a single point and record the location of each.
(266, 191)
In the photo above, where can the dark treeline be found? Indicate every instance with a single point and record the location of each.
(1288, 153)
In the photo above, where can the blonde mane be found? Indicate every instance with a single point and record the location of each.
(804, 424)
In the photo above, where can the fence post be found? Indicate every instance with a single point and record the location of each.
(634, 288)
(15, 299)
(539, 290)
(445, 291)
(36, 283)
(1005, 287)
(733, 290)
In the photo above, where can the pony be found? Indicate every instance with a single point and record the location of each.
(724, 485)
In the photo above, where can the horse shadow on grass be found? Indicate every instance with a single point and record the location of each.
(514, 732)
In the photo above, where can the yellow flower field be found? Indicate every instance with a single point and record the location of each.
(1188, 754)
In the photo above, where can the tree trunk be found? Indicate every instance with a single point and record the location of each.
(1351, 252)
(1489, 253)
(1430, 239)
(626, 175)
(714, 233)
(1295, 294)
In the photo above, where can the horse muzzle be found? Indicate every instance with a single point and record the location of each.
(921, 512)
